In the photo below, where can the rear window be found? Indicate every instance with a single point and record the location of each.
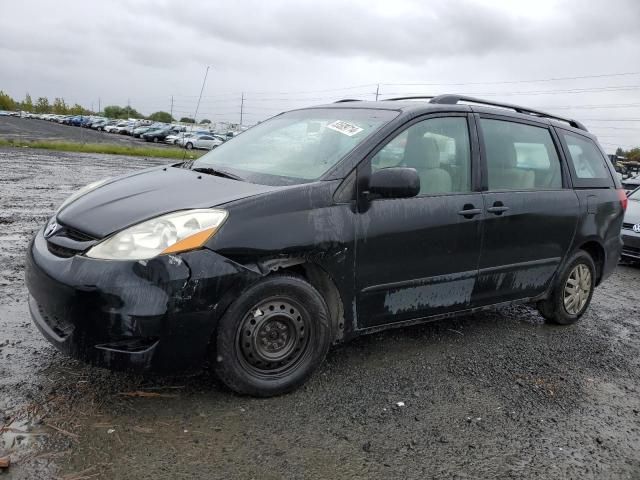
(587, 162)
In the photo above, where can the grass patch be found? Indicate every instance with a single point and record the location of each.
(108, 148)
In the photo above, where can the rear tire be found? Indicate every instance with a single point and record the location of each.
(273, 337)
(189, 146)
(155, 139)
(572, 293)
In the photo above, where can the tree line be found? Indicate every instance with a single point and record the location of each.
(632, 154)
(60, 107)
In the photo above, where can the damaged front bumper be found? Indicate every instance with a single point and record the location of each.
(157, 314)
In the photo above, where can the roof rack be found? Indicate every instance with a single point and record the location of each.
(348, 100)
(454, 99)
(420, 97)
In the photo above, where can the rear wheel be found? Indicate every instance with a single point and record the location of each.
(273, 337)
(572, 294)
(189, 146)
(155, 139)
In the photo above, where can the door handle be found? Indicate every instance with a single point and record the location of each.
(497, 209)
(469, 211)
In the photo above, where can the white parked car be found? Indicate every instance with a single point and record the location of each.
(112, 128)
(202, 141)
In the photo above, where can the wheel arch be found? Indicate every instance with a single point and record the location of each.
(597, 252)
(322, 281)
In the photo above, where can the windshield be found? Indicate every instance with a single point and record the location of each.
(295, 147)
(635, 195)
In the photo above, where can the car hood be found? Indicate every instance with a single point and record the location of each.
(632, 215)
(128, 200)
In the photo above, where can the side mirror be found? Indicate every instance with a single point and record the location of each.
(395, 182)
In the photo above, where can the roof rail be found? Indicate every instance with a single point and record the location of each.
(348, 100)
(454, 99)
(419, 97)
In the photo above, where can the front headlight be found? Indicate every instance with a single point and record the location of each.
(171, 233)
(84, 190)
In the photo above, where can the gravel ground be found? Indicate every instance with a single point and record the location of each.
(33, 129)
(494, 395)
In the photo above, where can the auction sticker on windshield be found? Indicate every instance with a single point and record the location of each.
(347, 128)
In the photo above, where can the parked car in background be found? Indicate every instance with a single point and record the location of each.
(157, 135)
(630, 183)
(99, 124)
(202, 142)
(112, 128)
(169, 266)
(138, 131)
(180, 138)
(631, 228)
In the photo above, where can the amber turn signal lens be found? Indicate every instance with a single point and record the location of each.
(192, 242)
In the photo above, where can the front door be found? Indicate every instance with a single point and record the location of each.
(417, 257)
(531, 213)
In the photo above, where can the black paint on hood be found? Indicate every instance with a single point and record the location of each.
(128, 200)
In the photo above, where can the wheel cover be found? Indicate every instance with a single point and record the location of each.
(577, 289)
(273, 336)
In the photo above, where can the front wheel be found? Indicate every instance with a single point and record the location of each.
(572, 294)
(273, 337)
(189, 146)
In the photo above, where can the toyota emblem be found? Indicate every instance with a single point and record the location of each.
(636, 228)
(51, 229)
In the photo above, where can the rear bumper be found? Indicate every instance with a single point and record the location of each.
(631, 245)
(158, 314)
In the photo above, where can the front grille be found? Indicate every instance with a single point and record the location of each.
(628, 226)
(60, 326)
(67, 242)
(76, 235)
(631, 250)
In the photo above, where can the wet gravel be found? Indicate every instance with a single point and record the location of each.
(493, 395)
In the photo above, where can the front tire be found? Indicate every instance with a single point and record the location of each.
(189, 146)
(273, 337)
(572, 293)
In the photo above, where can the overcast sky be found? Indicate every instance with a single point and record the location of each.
(286, 54)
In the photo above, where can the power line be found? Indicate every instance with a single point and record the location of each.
(505, 82)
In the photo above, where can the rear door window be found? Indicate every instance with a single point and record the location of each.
(586, 161)
(520, 156)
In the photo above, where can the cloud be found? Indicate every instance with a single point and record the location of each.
(147, 51)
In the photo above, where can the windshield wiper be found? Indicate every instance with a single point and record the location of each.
(218, 173)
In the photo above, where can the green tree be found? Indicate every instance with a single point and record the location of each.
(78, 109)
(205, 121)
(619, 152)
(6, 102)
(161, 117)
(187, 120)
(114, 111)
(60, 107)
(42, 105)
(27, 103)
(633, 154)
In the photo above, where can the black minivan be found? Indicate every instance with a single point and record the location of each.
(322, 224)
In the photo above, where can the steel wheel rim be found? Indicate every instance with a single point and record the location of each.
(577, 289)
(273, 337)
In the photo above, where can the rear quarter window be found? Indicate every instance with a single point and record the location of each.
(587, 164)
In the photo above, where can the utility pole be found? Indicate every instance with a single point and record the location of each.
(128, 108)
(241, 108)
(99, 106)
(171, 114)
(377, 92)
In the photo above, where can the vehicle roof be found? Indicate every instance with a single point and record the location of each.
(422, 106)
